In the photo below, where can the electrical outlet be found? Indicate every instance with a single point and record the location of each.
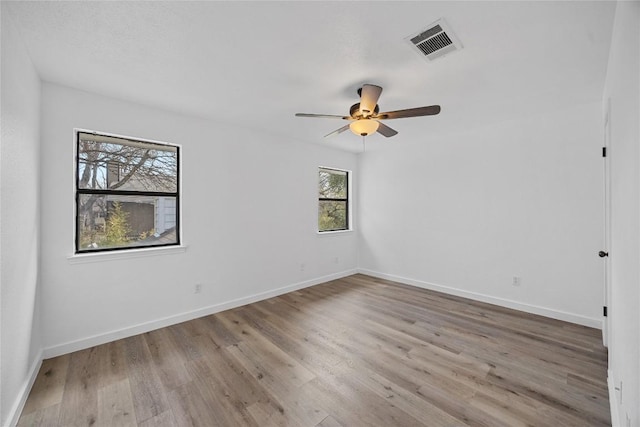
(517, 280)
(198, 288)
(302, 266)
(336, 260)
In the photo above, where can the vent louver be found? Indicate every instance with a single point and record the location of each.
(436, 41)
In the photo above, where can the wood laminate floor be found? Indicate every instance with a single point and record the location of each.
(357, 351)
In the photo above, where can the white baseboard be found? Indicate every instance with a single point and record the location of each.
(613, 399)
(88, 342)
(528, 308)
(16, 410)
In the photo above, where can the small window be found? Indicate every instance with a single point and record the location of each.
(127, 193)
(333, 200)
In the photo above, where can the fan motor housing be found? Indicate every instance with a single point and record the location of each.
(354, 111)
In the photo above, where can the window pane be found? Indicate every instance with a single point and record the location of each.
(332, 184)
(125, 221)
(119, 164)
(332, 215)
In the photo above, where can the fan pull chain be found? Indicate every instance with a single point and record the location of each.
(364, 147)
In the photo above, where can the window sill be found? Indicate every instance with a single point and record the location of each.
(333, 233)
(125, 254)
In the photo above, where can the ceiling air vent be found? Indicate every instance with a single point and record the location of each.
(436, 41)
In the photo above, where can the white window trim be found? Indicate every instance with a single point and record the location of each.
(88, 257)
(75, 258)
(350, 203)
(333, 232)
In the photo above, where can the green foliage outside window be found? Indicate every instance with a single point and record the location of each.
(333, 200)
(117, 228)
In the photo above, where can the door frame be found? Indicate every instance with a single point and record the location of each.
(606, 181)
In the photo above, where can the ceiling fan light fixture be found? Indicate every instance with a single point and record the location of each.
(364, 116)
(364, 127)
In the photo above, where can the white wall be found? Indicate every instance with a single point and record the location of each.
(474, 208)
(20, 232)
(466, 212)
(249, 220)
(622, 92)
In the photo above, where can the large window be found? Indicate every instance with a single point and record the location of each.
(333, 200)
(127, 193)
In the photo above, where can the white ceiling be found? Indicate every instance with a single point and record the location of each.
(255, 64)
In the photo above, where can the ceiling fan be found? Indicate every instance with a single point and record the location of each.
(365, 116)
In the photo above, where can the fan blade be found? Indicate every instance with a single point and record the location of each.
(386, 130)
(337, 131)
(322, 116)
(410, 112)
(369, 99)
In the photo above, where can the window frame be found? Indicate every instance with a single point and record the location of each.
(78, 192)
(346, 199)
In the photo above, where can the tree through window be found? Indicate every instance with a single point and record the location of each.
(333, 199)
(127, 193)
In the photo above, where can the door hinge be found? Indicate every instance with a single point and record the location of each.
(604, 151)
(604, 311)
